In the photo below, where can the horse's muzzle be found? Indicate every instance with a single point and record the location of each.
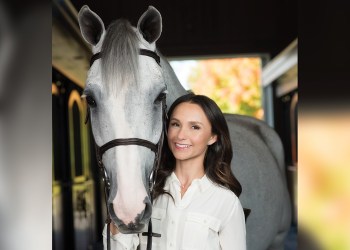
(138, 224)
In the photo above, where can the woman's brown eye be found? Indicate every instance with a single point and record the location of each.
(91, 101)
(174, 124)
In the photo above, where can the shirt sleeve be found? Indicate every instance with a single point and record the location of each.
(233, 232)
(120, 241)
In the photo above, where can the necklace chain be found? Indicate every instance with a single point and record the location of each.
(183, 186)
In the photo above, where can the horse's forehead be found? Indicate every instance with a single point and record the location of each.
(149, 76)
(129, 96)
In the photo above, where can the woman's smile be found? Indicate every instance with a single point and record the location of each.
(181, 146)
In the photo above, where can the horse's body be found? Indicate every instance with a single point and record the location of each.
(124, 105)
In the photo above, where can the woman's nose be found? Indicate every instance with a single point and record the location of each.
(181, 133)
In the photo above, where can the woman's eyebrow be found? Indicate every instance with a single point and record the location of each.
(191, 122)
(196, 122)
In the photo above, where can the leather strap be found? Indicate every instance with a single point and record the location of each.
(150, 53)
(95, 57)
(124, 142)
(144, 52)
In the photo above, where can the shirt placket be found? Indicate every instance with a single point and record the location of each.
(173, 227)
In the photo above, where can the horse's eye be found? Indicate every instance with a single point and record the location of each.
(90, 101)
(160, 97)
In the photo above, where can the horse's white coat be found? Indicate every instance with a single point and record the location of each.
(129, 112)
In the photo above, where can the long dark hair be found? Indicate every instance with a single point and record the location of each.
(217, 162)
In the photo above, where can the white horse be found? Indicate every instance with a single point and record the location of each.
(124, 90)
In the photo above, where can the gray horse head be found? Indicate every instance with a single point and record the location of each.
(123, 91)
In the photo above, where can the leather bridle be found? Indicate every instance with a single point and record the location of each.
(156, 148)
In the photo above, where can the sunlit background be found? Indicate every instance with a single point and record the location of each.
(233, 83)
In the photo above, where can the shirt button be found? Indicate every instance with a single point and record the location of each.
(173, 222)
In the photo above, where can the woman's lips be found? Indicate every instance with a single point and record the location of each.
(181, 146)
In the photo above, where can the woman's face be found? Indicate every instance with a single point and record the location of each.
(189, 132)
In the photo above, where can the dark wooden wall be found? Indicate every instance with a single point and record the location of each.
(207, 27)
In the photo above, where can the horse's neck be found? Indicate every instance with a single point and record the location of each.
(174, 86)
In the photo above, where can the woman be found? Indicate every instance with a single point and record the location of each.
(196, 203)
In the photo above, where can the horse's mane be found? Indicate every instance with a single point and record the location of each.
(119, 55)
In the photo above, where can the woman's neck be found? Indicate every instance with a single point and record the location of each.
(187, 171)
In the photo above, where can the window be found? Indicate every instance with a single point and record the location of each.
(233, 83)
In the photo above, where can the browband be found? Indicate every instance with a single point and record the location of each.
(144, 52)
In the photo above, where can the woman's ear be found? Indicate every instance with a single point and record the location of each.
(212, 139)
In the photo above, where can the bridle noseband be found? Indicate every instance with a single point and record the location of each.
(156, 148)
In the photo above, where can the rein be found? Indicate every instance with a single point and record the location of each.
(156, 148)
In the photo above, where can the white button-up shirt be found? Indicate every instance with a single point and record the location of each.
(207, 217)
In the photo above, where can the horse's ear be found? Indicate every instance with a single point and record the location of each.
(150, 24)
(91, 25)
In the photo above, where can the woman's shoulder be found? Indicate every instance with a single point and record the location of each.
(225, 201)
(224, 193)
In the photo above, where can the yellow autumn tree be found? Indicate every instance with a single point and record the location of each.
(234, 84)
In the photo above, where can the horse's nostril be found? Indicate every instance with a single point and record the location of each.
(132, 226)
